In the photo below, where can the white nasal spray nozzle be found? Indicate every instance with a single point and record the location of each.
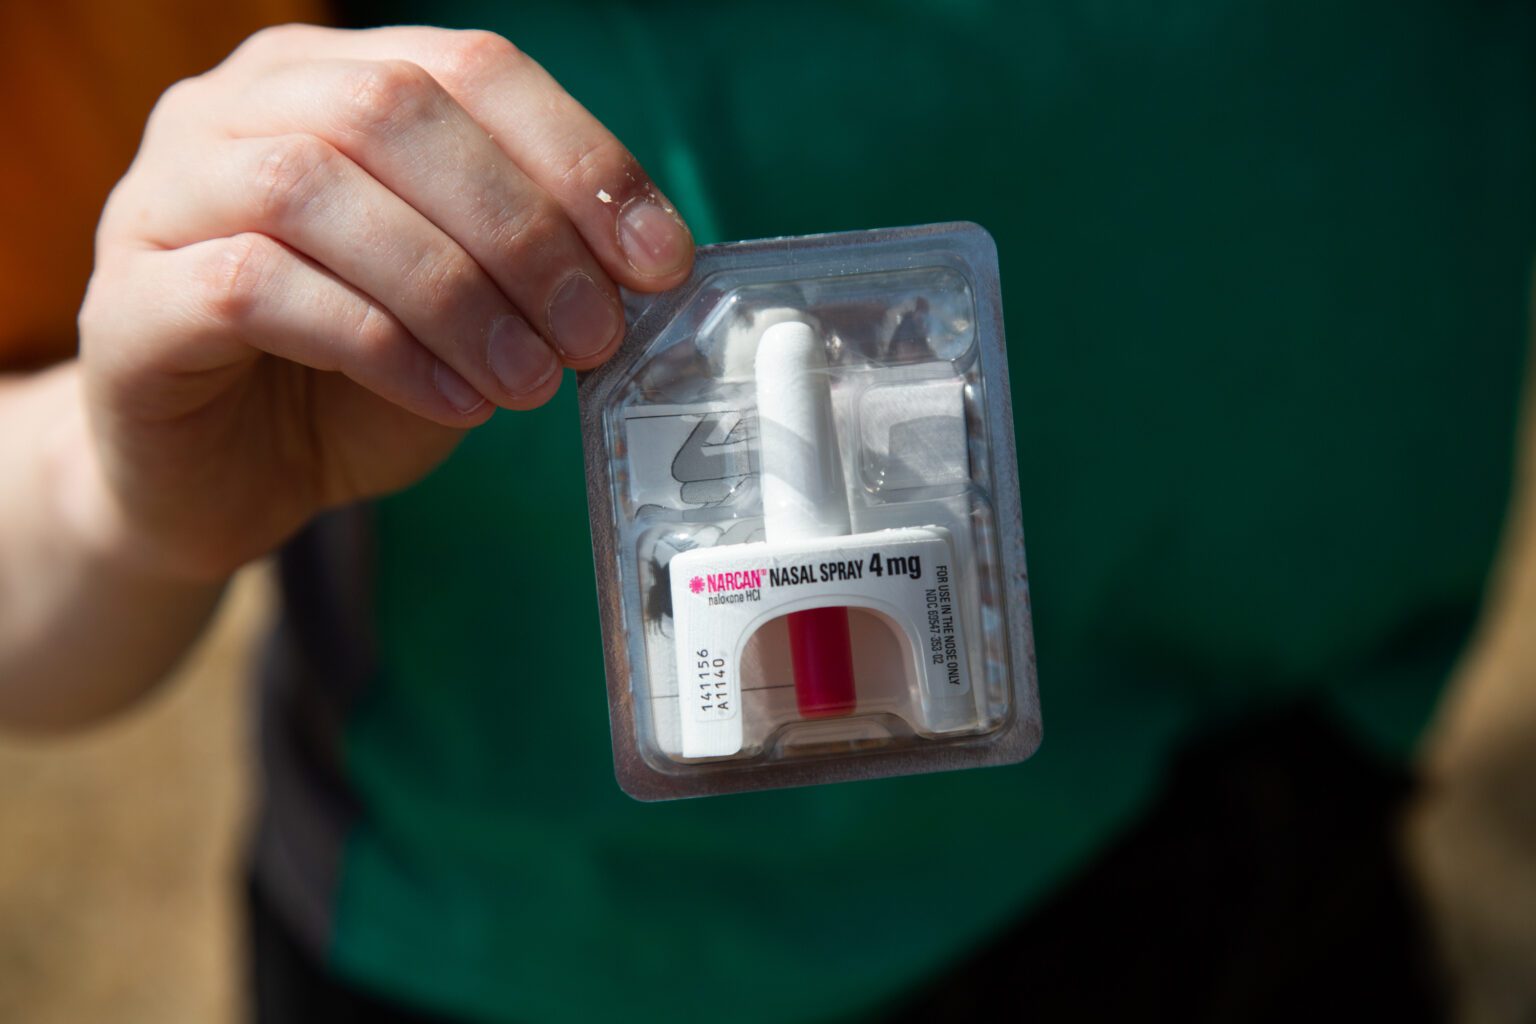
(801, 467)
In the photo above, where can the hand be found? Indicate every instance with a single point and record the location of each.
(333, 254)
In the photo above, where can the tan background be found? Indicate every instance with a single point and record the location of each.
(120, 849)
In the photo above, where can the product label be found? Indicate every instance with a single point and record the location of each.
(722, 595)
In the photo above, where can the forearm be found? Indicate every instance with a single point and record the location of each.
(86, 623)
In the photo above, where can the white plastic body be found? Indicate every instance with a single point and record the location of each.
(802, 474)
(722, 595)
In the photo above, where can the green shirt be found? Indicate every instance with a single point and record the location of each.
(1265, 273)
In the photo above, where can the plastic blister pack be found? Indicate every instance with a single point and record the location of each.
(805, 518)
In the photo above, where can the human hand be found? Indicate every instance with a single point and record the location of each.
(333, 254)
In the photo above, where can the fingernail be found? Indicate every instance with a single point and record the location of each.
(456, 389)
(582, 319)
(654, 239)
(518, 356)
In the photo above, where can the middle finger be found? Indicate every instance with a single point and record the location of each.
(400, 125)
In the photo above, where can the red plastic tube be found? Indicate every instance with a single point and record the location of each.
(823, 659)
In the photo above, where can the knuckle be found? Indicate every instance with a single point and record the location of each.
(446, 285)
(600, 161)
(123, 214)
(383, 95)
(468, 57)
(290, 171)
(175, 96)
(375, 333)
(235, 275)
(266, 41)
(530, 232)
(175, 104)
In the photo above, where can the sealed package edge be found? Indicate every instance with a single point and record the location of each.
(805, 518)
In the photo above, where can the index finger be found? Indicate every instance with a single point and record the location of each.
(629, 225)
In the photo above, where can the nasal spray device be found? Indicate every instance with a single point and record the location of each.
(811, 570)
(804, 500)
(810, 562)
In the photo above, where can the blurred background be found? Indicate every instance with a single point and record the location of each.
(120, 863)
(121, 850)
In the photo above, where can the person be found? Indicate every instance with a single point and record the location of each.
(1265, 368)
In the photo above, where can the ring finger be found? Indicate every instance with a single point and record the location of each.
(302, 191)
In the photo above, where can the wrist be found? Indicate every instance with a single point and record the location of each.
(88, 510)
(90, 624)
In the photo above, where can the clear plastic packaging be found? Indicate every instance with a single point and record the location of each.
(805, 518)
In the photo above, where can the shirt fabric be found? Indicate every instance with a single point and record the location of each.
(1264, 274)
